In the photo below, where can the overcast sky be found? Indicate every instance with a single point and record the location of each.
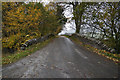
(69, 27)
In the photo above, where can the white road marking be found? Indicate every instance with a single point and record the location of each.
(67, 39)
(81, 54)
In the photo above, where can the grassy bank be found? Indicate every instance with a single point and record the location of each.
(111, 56)
(10, 58)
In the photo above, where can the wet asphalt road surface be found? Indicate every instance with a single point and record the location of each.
(62, 59)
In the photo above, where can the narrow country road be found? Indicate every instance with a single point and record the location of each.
(62, 59)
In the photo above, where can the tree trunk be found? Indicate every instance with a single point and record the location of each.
(77, 27)
(76, 17)
(93, 32)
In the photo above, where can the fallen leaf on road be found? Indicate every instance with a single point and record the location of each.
(99, 62)
(78, 70)
(60, 69)
(66, 72)
(52, 68)
(70, 63)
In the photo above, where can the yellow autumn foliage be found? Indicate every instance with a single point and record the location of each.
(20, 19)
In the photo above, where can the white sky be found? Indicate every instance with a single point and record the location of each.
(69, 27)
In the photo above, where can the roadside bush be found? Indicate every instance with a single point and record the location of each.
(23, 22)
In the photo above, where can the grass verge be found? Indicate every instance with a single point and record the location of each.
(10, 58)
(111, 56)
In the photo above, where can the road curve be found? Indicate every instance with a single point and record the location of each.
(62, 59)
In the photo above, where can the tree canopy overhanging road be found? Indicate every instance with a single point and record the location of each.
(23, 21)
(62, 59)
(28, 26)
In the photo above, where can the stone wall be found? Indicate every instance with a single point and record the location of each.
(93, 42)
(35, 40)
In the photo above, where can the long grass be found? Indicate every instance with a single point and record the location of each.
(10, 58)
(111, 56)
